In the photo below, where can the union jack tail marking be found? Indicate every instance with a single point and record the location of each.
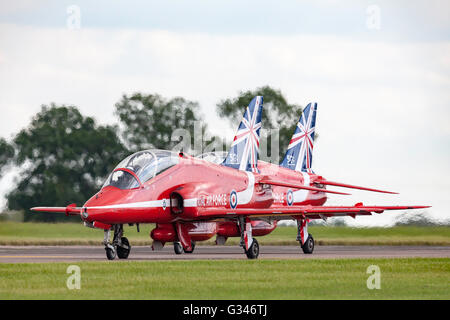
(243, 154)
(299, 153)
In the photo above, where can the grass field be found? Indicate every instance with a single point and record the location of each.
(263, 279)
(16, 233)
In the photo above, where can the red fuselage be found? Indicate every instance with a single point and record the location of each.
(178, 193)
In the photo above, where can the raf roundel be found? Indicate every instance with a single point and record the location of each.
(290, 197)
(233, 199)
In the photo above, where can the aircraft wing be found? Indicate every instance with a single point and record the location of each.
(267, 180)
(320, 181)
(310, 212)
(344, 185)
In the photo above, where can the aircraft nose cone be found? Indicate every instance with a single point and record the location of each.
(88, 210)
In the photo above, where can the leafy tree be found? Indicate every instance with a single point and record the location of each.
(150, 121)
(64, 158)
(6, 154)
(277, 113)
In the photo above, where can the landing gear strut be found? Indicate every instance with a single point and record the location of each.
(120, 245)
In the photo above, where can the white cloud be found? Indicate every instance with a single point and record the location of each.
(376, 99)
(10, 7)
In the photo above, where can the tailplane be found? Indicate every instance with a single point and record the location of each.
(243, 154)
(299, 153)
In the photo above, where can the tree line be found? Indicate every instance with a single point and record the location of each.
(64, 156)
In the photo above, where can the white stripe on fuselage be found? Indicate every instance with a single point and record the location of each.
(244, 197)
(143, 204)
(190, 203)
(147, 204)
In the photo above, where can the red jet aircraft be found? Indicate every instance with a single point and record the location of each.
(227, 195)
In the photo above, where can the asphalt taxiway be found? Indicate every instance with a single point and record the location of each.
(25, 254)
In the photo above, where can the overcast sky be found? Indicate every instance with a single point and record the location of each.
(379, 71)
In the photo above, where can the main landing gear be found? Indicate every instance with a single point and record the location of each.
(250, 245)
(308, 246)
(303, 237)
(120, 245)
(184, 242)
(178, 248)
(253, 251)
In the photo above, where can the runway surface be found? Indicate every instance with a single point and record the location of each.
(16, 254)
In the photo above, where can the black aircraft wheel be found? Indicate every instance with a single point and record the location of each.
(110, 253)
(124, 251)
(253, 251)
(308, 246)
(192, 248)
(178, 248)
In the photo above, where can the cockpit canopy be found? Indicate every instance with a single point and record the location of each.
(141, 167)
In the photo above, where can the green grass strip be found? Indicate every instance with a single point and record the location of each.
(418, 278)
(15, 233)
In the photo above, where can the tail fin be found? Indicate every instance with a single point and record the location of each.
(243, 154)
(299, 153)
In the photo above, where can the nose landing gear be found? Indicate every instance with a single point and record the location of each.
(110, 252)
(124, 250)
(120, 245)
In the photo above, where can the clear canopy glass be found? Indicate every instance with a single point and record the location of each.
(144, 165)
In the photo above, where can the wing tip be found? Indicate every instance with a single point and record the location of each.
(419, 207)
